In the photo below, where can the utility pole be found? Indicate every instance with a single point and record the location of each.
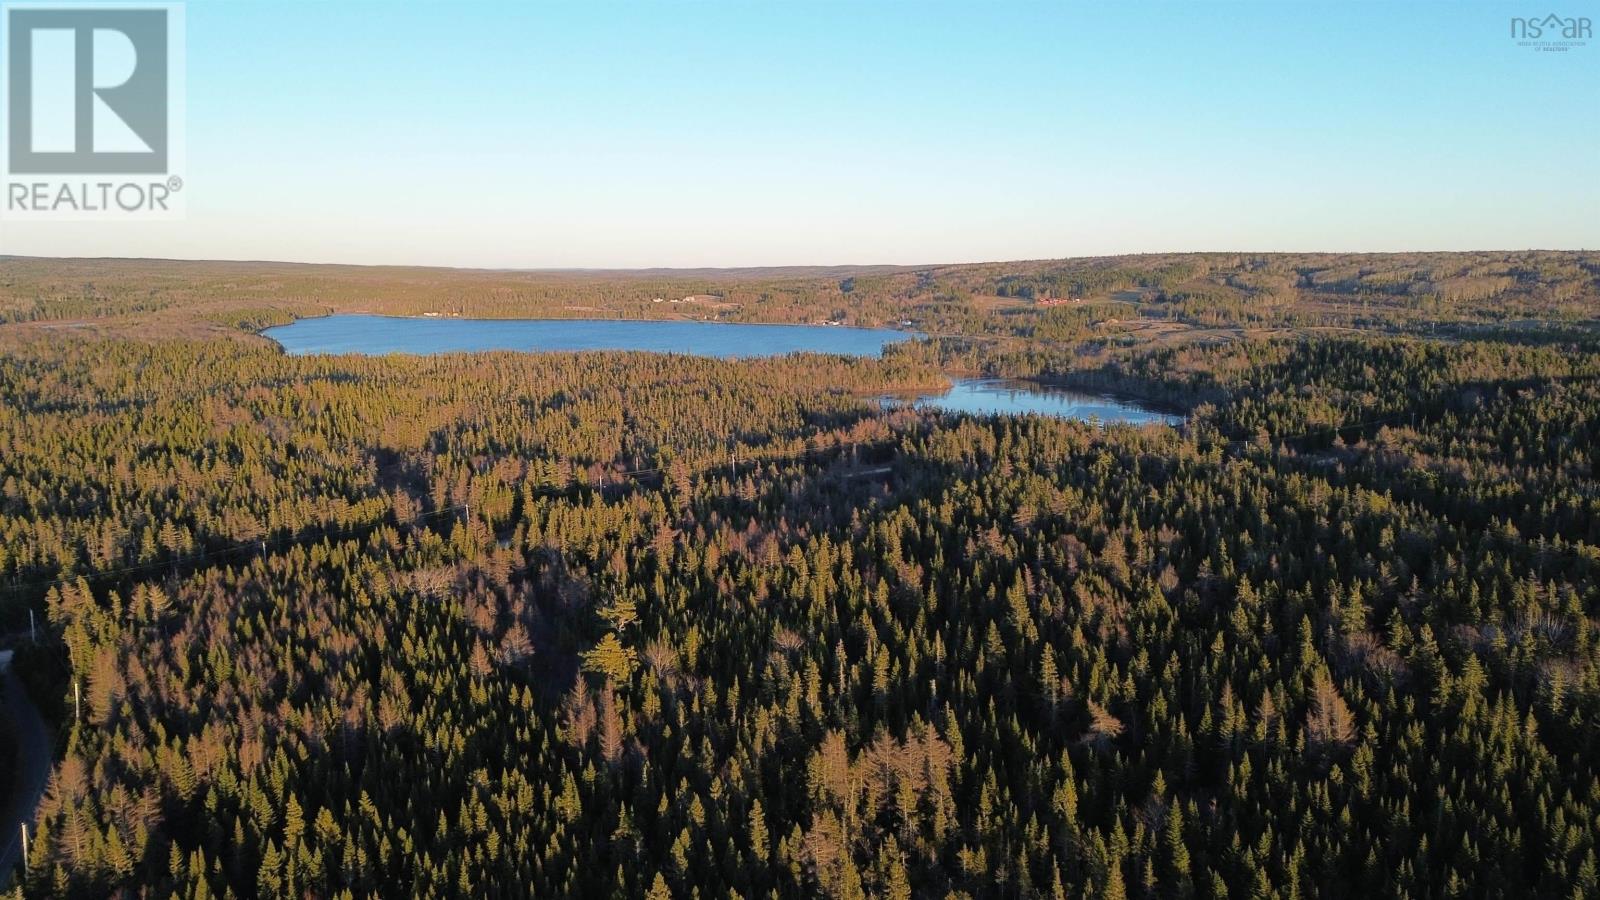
(24, 849)
(77, 701)
(33, 635)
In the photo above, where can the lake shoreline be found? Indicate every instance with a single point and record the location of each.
(683, 319)
(1022, 396)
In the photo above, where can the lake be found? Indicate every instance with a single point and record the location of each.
(392, 334)
(997, 396)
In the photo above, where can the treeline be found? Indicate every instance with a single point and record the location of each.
(898, 655)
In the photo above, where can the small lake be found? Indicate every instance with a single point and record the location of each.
(995, 396)
(374, 335)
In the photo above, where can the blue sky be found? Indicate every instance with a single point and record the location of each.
(766, 133)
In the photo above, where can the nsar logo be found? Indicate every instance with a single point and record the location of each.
(1552, 32)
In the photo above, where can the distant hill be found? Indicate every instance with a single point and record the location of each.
(1188, 291)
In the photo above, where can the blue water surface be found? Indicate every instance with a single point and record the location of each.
(995, 396)
(375, 335)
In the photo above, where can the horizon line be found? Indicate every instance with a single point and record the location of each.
(793, 267)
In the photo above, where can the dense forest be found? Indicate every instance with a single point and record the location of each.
(632, 625)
